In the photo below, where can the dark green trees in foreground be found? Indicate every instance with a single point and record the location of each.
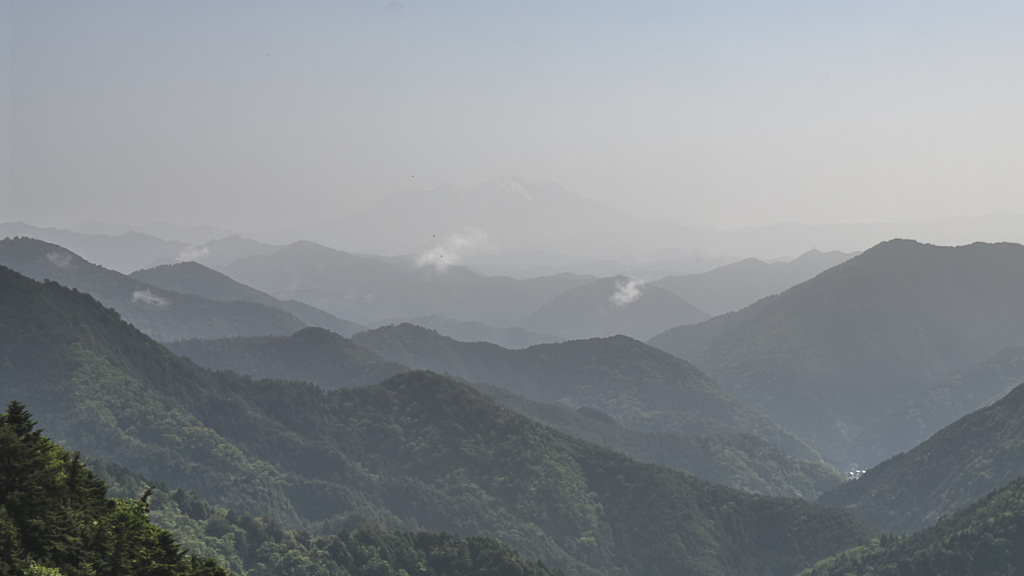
(54, 514)
(56, 520)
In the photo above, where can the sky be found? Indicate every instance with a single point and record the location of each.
(262, 115)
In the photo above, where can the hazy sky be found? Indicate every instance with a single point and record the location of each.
(251, 114)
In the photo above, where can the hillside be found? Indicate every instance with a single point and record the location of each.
(162, 314)
(959, 464)
(983, 538)
(642, 387)
(311, 354)
(367, 289)
(416, 446)
(331, 361)
(611, 306)
(194, 278)
(833, 356)
(734, 286)
(737, 460)
(956, 395)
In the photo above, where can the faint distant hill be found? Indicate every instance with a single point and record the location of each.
(161, 314)
(123, 252)
(831, 357)
(611, 306)
(959, 393)
(368, 289)
(644, 388)
(193, 235)
(959, 464)
(505, 214)
(311, 354)
(194, 278)
(464, 331)
(738, 285)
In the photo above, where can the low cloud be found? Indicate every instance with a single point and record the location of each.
(627, 291)
(452, 249)
(147, 297)
(62, 259)
(193, 253)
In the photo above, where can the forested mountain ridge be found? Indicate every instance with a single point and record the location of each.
(162, 314)
(416, 446)
(832, 356)
(645, 388)
(194, 278)
(979, 540)
(959, 464)
(738, 460)
(331, 361)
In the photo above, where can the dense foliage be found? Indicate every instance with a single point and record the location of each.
(983, 539)
(644, 388)
(311, 354)
(161, 314)
(55, 517)
(194, 278)
(831, 357)
(258, 546)
(959, 464)
(418, 447)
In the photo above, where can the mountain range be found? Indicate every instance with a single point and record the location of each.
(194, 278)
(642, 387)
(418, 445)
(163, 314)
(833, 356)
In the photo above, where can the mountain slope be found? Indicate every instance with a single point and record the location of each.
(311, 354)
(162, 314)
(738, 285)
(644, 388)
(611, 306)
(418, 445)
(956, 395)
(740, 461)
(831, 357)
(959, 464)
(194, 278)
(330, 361)
(983, 538)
